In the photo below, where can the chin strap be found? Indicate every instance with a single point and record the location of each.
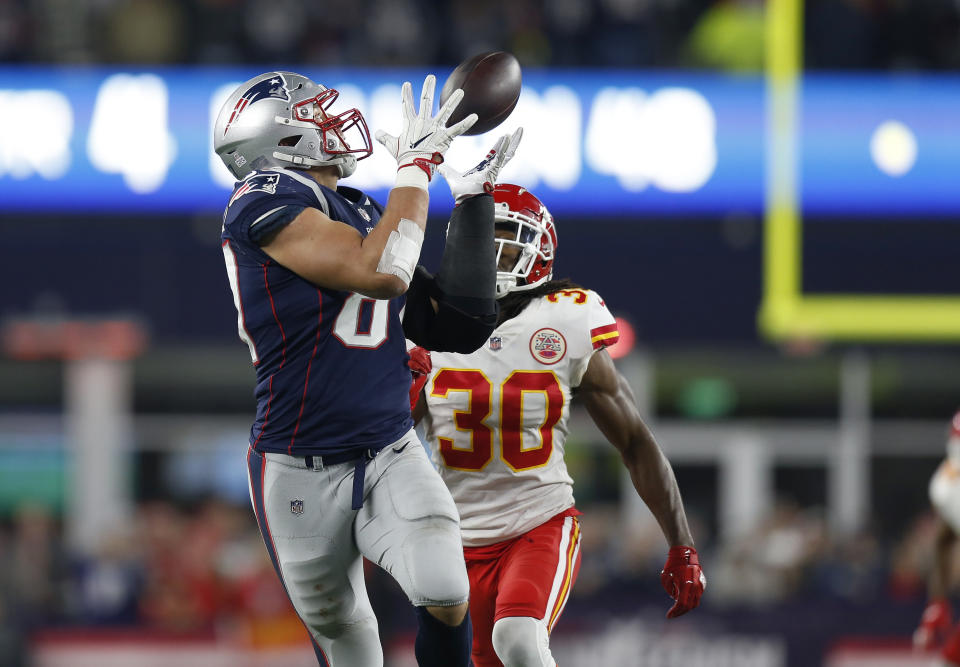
(345, 164)
(505, 285)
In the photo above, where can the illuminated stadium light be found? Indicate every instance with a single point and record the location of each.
(128, 132)
(625, 342)
(893, 148)
(381, 112)
(552, 125)
(45, 153)
(597, 143)
(667, 139)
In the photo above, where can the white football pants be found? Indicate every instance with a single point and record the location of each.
(408, 525)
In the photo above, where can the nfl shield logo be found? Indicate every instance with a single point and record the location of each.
(496, 343)
(296, 506)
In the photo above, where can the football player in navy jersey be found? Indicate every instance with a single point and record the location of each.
(316, 270)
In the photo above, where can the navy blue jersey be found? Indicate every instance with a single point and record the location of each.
(331, 365)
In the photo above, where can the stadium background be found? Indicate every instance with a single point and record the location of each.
(713, 208)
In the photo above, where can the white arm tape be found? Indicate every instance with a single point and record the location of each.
(412, 176)
(402, 251)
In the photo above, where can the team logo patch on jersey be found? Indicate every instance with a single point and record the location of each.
(496, 342)
(548, 346)
(296, 506)
(275, 86)
(259, 183)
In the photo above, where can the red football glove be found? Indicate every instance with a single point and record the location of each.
(420, 367)
(683, 579)
(934, 625)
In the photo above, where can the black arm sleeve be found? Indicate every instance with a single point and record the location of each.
(466, 312)
(448, 328)
(468, 269)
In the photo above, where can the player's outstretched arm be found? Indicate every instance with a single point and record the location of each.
(468, 268)
(456, 310)
(611, 404)
(936, 620)
(381, 265)
(334, 255)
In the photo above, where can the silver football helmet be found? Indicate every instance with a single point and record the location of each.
(283, 119)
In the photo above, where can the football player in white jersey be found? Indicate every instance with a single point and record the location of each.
(935, 624)
(497, 420)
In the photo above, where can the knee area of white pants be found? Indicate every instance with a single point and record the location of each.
(354, 644)
(324, 601)
(346, 631)
(333, 616)
(433, 556)
(521, 641)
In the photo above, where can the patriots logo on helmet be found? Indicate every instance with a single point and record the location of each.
(274, 86)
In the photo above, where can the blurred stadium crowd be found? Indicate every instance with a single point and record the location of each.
(725, 34)
(199, 570)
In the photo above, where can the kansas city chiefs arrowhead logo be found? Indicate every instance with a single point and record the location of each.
(548, 346)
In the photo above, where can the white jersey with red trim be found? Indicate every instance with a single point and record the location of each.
(497, 418)
(945, 493)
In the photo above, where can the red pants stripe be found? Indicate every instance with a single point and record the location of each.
(569, 559)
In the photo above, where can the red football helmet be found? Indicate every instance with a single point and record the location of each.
(517, 210)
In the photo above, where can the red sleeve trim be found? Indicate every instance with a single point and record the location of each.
(604, 336)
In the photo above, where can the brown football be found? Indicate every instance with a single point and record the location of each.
(491, 87)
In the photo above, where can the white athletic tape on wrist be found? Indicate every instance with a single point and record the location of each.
(412, 176)
(402, 251)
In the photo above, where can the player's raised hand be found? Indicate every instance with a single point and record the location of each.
(934, 625)
(483, 177)
(424, 137)
(683, 580)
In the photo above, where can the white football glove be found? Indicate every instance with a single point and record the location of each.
(423, 139)
(483, 177)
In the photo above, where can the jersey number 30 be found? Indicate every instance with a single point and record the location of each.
(512, 391)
